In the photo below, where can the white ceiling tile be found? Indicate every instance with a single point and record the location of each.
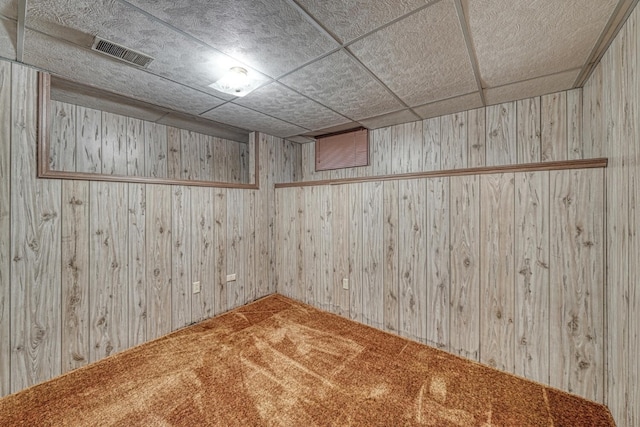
(349, 19)
(341, 84)
(90, 68)
(281, 102)
(449, 106)
(176, 56)
(245, 118)
(396, 118)
(334, 129)
(530, 88)
(422, 58)
(8, 39)
(519, 40)
(269, 35)
(9, 8)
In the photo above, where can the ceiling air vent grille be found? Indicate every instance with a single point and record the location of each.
(120, 52)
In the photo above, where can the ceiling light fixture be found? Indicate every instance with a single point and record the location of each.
(235, 82)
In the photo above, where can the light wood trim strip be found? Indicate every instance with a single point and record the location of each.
(44, 137)
(529, 167)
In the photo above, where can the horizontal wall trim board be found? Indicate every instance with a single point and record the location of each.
(529, 167)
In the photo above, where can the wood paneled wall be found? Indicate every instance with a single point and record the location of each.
(612, 129)
(505, 269)
(90, 268)
(546, 128)
(87, 140)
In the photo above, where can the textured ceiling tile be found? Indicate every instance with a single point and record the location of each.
(349, 19)
(422, 58)
(9, 8)
(341, 84)
(269, 35)
(7, 39)
(449, 106)
(396, 118)
(283, 103)
(334, 129)
(88, 67)
(519, 40)
(529, 88)
(245, 118)
(176, 56)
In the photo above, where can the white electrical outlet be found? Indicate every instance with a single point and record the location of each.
(196, 287)
(345, 283)
(231, 277)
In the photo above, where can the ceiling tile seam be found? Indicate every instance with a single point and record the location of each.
(375, 77)
(532, 79)
(144, 70)
(189, 36)
(318, 102)
(313, 21)
(260, 112)
(473, 57)
(22, 18)
(392, 22)
(8, 18)
(600, 47)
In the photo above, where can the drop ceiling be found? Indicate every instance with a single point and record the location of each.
(321, 66)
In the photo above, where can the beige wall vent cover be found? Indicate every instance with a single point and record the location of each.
(120, 52)
(343, 150)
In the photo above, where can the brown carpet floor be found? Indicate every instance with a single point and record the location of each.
(278, 362)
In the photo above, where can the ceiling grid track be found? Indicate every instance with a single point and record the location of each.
(473, 58)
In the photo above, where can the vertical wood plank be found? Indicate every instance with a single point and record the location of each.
(380, 149)
(135, 147)
(235, 248)
(553, 141)
(158, 262)
(372, 247)
(577, 282)
(411, 258)
(233, 161)
(5, 226)
(501, 134)
(189, 155)
(220, 301)
(453, 131)
(497, 342)
(308, 161)
(88, 140)
(219, 159)
(262, 221)
(341, 233)
(311, 256)
(406, 148)
(528, 132)
(532, 280)
(438, 259)
(75, 274)
(62, 145)
(35, 269)
(325, 279)
(465, 266)
(431, 144)
(356, 299)
(250, 244)
(108, 292)
(391, 268)
(206, 156)
(284, 239)
(180, 256)
(137, 265)
(477, 137)
(174, 160)
(203, 250)
(302, 275)
(574, 124)
(155, 136)
(114, 144)
(592, 115)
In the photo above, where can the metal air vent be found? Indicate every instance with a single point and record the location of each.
(120, 52)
